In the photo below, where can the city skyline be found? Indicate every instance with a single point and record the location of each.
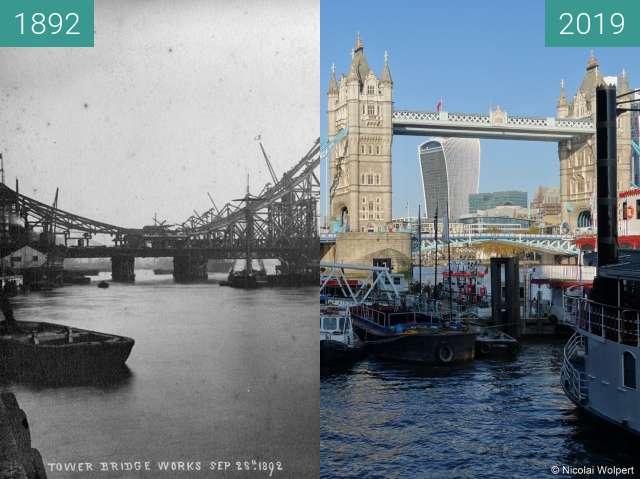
(519, 75)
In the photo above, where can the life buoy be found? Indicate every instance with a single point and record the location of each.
(630, 212)
(485, 348)
(444, 353)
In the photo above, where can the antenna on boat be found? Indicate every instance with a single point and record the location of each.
(1, 168)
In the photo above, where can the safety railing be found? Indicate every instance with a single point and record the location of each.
(573, 380)
(609, 322)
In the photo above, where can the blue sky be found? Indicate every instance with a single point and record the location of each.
(474, 55)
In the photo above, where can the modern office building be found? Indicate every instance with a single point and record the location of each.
(486, 201)
(450, 171)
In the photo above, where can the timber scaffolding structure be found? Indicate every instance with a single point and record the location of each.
(280, 222)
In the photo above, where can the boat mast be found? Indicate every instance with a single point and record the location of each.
(435, 239)
(446, 225)
(419, 251)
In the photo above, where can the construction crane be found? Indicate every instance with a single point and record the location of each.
(274, 177)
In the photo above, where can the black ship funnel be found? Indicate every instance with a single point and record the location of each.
(605, 290)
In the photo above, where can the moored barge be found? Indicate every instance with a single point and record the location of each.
(391, 332)
(51, 351)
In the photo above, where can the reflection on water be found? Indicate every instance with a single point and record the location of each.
(485, 419)
(216, 373)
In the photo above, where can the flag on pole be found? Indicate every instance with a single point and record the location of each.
(439, 105)
(445, 224)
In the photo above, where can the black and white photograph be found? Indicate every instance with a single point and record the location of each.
(159, 245)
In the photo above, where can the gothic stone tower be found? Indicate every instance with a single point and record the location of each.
(577, 158)
(360, 166)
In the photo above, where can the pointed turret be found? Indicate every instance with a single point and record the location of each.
(623, 82)
(592, 63)
(333, 84)
(359, 66)
(386, 72)
(562, 108)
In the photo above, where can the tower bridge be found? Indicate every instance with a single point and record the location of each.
(279, 222)
(496, 126)
(360, 102)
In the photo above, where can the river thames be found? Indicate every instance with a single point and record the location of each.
(216, 374)
(494, 419)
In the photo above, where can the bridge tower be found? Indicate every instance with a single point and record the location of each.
(577, 158)
(360, 166)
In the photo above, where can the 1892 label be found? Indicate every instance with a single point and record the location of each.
(46, 23)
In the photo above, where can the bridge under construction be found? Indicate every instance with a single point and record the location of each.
(279, 222)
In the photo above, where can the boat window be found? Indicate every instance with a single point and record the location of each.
(330, 324)
(341, 324)
(629, 370)
(396, 280)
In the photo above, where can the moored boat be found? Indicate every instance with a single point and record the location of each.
(492, 343)
(339, 345)
(391, 332)
(48, 350)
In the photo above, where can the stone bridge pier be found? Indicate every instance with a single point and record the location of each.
(190, 268)
(122, 269)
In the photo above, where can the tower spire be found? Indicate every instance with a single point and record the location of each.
(386, 72)
(359, 45)
(333, 84)
(593, 62)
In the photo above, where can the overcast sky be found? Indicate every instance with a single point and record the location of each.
(164, 108)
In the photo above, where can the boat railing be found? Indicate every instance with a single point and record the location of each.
(574, 381)
(571, 308)
(609, 322)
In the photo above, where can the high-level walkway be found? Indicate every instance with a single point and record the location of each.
(496, 125)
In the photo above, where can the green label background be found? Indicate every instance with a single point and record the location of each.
(10, 25)
(629, 37)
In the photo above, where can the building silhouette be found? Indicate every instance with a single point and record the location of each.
(450, 172)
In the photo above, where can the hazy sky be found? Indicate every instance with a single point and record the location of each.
(164, 108)
(473, 55)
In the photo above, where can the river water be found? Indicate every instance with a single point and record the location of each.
(216, 374)
(494, 419)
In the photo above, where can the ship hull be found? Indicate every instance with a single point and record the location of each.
(438, 347)
(334, 354)
(55, 357)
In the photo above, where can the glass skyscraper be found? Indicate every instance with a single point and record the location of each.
(450, 170)
(486, 201)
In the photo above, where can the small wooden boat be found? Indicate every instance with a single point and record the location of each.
(393, 333)
(103, 284)
(56, 351)
(492, 343)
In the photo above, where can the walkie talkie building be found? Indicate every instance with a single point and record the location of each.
(450, 170)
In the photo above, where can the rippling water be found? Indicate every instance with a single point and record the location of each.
(216, 373)
(501, 419)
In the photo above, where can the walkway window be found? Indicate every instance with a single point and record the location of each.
(584, 219)
(628, 370)
(638, 209)
(624, 210)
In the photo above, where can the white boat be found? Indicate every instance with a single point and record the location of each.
(339, 345)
